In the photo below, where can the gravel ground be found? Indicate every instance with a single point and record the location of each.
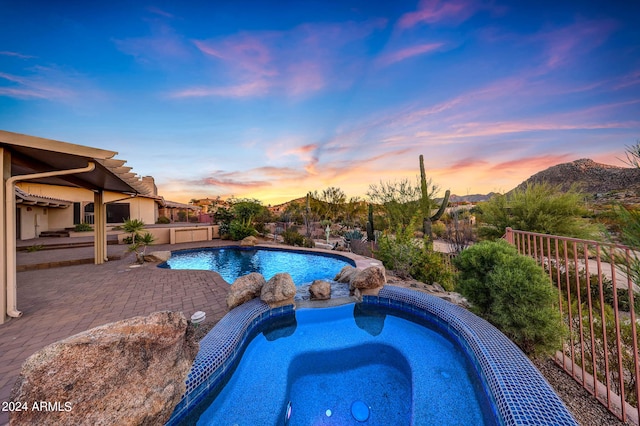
(587, 410)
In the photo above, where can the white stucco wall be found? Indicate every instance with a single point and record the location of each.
(29, 228)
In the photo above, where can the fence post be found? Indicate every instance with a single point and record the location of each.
(509, 235)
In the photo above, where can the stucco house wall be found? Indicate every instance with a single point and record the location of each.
(53, 219)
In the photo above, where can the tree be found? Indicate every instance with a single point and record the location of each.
(294, 212)
(539, 207)
(399, 201)
(329, 203)
(244, 211)
(355, 212)
(630, 220)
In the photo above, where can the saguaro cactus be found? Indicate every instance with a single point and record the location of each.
(371, 236)
(427, 204)
(307, 210)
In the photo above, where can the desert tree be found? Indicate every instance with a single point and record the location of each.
(538, 207)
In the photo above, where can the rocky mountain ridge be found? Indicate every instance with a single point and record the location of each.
(601, 181)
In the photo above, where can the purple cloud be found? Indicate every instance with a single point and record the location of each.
(297, 62)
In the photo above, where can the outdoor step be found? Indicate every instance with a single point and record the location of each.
(57, 234)
(64, 245)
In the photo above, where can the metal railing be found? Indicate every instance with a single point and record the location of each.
(598, 299)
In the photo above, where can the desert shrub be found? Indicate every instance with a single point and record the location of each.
(82, 227)
(194, 219)
(538, 207)
(513, 293)
(475, 264)
(163, 220)
(239, 230)
(438, 229)
(292, 237)
(409, 257)
(430, 268)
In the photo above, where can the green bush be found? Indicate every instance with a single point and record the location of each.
(293, 238)
(538, 207)
(409, 257)
(239, 230)
(82, 227)
(513, 293)
(163, 220)
(475, 264)
(438, 229)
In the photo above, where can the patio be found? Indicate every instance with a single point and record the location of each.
(60, 302)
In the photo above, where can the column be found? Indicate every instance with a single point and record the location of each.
(5, 172)
(100, 228)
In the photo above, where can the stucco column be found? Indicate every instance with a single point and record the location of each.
(99, 227)
(5, 172)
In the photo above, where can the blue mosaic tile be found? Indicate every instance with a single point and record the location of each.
(221, 350)
(518, 392)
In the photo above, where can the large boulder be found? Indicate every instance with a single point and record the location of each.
(280, 290)
(130, 372)
(249, 241)
(245, 288)
(157, 256)
(320, 290)
(346, 274)
(368, 281)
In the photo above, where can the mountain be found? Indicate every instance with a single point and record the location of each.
(599, 180)
(473, 198)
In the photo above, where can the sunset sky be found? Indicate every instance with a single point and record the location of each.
(272, 99)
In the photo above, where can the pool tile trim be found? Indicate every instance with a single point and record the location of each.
(518, 391)
(350, 261)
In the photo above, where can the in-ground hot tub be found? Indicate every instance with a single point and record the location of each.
(232, 378)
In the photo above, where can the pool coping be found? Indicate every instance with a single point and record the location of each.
(354, 260)
(520, 393)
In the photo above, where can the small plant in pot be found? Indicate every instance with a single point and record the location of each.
(138, 241)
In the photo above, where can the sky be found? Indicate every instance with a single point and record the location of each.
(272, 99)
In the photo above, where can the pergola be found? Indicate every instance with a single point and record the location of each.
(30, 158)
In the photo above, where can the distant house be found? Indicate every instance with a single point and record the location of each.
(178, 212)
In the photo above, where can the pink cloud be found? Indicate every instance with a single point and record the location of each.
(160, 12)
(565, 44)
(252, 89)
(408, 52)
(163, 46)
(35, 87)
(244, 52)
(536, 163)
(297, 62)
(433, 11)
(16, 54)
(628, 80)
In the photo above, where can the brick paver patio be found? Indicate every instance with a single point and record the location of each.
(60, 302)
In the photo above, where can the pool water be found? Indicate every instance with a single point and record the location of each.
(348, 365)
(234, 262)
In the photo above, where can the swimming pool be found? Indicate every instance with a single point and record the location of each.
(232, 262)
(514, 391)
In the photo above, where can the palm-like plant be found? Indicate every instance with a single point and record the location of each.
(139, 241)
